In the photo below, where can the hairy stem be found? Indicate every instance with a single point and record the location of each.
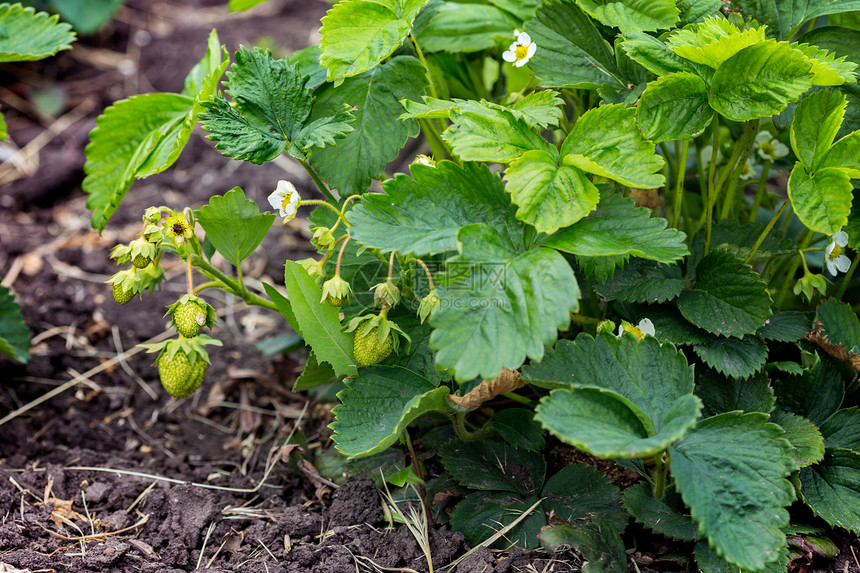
(766, 230)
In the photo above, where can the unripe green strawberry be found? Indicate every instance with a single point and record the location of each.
(368, 349)
(178, 376)
(189, 317)
(141, 261)
(120, 295)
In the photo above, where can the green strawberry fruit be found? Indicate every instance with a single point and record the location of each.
(178, 376)
(369, 350)
(120, 295)
(141, 261)
(189, 317)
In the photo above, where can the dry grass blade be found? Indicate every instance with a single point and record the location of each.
(415, 521)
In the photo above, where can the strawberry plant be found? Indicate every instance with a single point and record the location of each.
(595, 252)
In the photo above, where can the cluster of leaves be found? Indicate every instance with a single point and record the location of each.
(602, 182)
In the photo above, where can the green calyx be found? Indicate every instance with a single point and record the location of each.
(387, 294)
(808, 284)
(323, 238)
(142, 253)
(427, 305)
(314, 269)
(124, 285)
(336, 291)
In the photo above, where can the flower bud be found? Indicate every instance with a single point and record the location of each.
(387, 293)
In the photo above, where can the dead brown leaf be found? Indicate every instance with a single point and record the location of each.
(507, 381)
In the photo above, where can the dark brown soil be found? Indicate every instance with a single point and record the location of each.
(110, 474)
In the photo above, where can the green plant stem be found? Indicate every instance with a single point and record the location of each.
(210, 284)
(735, 167)
(517, 398)
(428, 273)
(766, 230)
(760, 192)
(670, 160)
(659, 477)
(584, 320)
(229, 283)
(418, 468)
(679, 185)
(805, 238)
(420, 54)
(326, 203)
(465, 434)
(711, 198)
(846, 280)
(320, 184)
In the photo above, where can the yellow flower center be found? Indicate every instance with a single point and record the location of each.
(768, 149)
(287, 200)
(634, 330)
(835, 253)
(178, 228)
(521, 52)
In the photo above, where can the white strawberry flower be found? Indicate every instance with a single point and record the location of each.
(285, 199)
(835, 261)
(644, 328)
(747, 170)
(521, 51)
(769, 147)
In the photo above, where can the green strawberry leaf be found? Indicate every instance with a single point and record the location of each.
(844, 155)
(785, 326)
(670, 325)
(728, 298)
(842, 429)
(666, 515)
(540, 108)
(234, 224)
(203, 78)
(357, 35)
(362, 155)
(734, 357)
(806, 441)
(579, 492)
(816, 394)
(832, 488)
(483, 133)
(606, 142)
(674, 106)
(241, 5)
(571, 52)
(307, 62)
(125, 135)
(518, 427)
(377, 406)
(271, 107)
(29, 35)
(494, 466)
(821, 200)
(549, 195)
(708, 561)
(618, 227)
(652, 54)
(601, 547)
(319, 323)
(4, 130)
(464, 27)
(730, 470)
(284, 306)
(695, 11)
(721, 394)
(324, 131)
(480, 514)
(14, 334)
(839, 324)
(815, 124)
(827, 68)
(713, 41)
(759, 81)
(633, 15)
(422, 215)
(509, 307)
(630, 398)
(642, 280)
(607, 425)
